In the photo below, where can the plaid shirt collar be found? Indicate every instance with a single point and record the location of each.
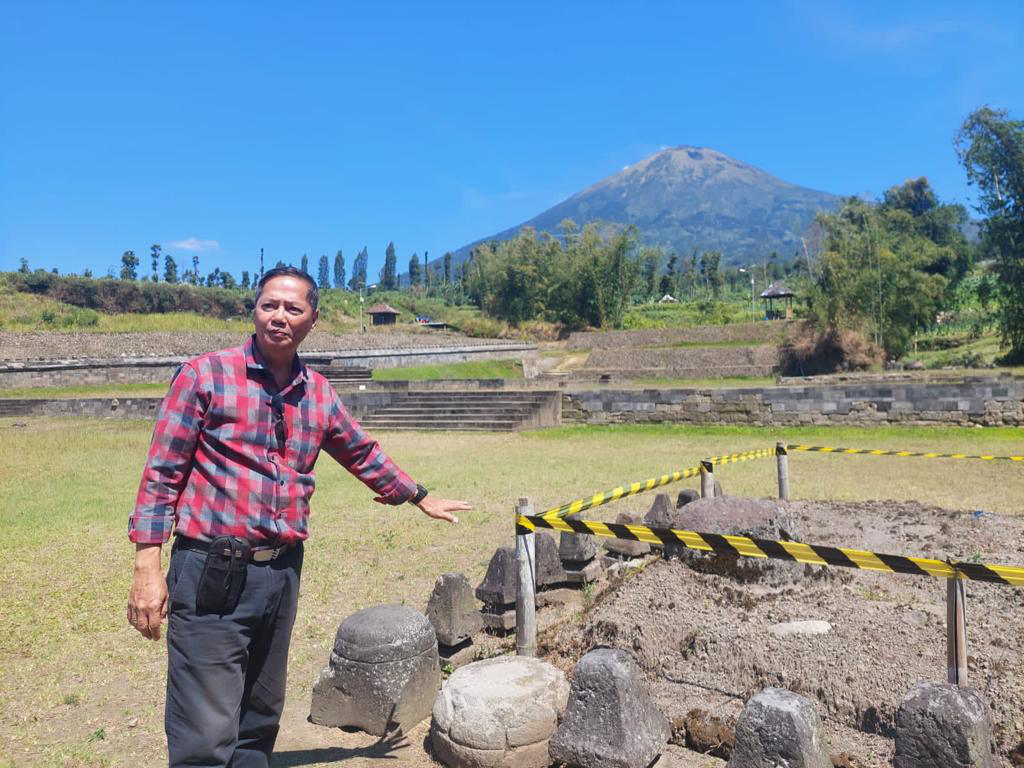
(254, 360)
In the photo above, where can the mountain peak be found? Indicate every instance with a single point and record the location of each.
(685, 197)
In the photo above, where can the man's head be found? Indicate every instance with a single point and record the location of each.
(285, 312)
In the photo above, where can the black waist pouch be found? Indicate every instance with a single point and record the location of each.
(223, 577)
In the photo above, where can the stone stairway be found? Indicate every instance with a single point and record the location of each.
(344, 374)
(462, 411)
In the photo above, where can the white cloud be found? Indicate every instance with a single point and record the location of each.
(194, 244)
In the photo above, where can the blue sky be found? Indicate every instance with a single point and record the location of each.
(219, 128)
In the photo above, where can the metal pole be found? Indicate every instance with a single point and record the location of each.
(526, 585)
(956, 631)
(707, 479)
(782, 463)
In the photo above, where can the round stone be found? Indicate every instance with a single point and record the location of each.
(384, 633)
(498, 712)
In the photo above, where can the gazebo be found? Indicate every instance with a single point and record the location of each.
(383, 314)
(778, 291)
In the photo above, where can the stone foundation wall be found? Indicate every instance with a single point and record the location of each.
(685, 362)
(67, 373)
(995, 401)
(764, 333)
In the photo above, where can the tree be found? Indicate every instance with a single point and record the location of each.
(129, 265)
(339, 270)
(872, 275)
(668, 280)
(358, 280)
(414, 271)
(305, 264)
(195, 269)
(650, 272)
(709, 263)
(23, 265)
(447, 268)
(323, 277)
(154, 252)
(245, 279)
(991, 149)
(170, 269)
(388, 273)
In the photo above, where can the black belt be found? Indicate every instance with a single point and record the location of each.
(259, 554)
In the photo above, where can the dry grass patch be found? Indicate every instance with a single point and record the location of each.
(82, 688)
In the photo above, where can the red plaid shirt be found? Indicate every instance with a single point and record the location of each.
(216, 466)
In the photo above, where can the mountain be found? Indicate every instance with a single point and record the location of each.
(693, 197)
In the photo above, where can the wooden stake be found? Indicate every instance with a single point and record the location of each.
(707, 480)
(782, 463)
(956, 631)
(526, 585)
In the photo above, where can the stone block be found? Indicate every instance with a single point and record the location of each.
(498, 713)
(383, 672)
(549, 565)
(940, 724)
(661, 512)
(499, 584)
(685, 497)
(625, 547)
(740, 516)
(778, 727)
(576, 547)
(610, 720)
(452, 610)
(590, 572)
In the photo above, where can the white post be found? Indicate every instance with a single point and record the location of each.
(526, 585)
(956, 632)
(707, 479)
(782, 464)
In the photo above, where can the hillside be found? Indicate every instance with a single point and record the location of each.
(693, 197)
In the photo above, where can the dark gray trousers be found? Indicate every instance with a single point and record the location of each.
(226, 673)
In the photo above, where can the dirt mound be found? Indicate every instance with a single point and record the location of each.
(705, 640)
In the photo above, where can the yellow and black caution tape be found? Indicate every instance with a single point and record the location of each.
(792, 551)
(918, 454)
(606, 497)
(732, 458)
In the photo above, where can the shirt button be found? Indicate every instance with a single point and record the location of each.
(282, 482)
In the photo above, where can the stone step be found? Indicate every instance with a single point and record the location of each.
(447, 426)
(432, 410)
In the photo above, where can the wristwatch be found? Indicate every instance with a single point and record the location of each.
(421, 494)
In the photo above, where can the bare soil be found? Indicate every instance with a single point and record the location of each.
(704, 642)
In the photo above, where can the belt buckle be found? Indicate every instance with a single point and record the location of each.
(266, 555)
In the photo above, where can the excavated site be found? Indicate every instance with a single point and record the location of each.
(709, 633)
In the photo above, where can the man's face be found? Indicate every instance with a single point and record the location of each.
(283, 316)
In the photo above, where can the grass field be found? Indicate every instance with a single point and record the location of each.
(471, 369)
(81, 688)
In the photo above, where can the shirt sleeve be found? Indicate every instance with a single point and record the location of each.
(169, 461)
(360, 454)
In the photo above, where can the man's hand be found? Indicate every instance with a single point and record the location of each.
(442, 509)
(147, 602)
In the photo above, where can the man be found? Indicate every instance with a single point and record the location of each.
(230, 472)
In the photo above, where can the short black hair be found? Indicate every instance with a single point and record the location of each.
(312, 296)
